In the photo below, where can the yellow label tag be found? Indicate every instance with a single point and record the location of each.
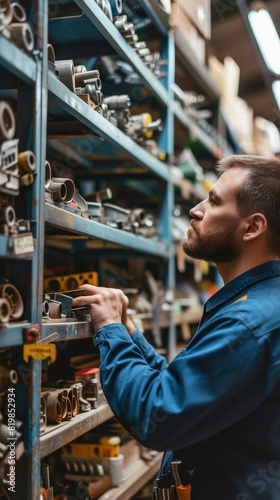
(244, 297)
(39, 352)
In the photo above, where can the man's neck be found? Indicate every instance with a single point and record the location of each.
(230, 270)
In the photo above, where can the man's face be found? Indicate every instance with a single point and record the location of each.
(216, 226)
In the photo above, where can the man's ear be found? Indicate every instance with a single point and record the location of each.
(255, 225)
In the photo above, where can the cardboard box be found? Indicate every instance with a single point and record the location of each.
(199, 12)
(181, 22)
(226, 76)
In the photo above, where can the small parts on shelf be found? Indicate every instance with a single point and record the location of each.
(117, 110)
(138, 127)
(141, 127)
(92, 390)
(14, 25)
(11, 438)
(8, 378)
(11, 303)
(86, 84)
(64, 403)
(136, 220)
(151, 60)
(62, 192)
(70, 281)
(187, 99)
(61, 404)
(110, 8)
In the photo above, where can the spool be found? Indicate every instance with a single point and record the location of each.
(22, 35)
(7, 121)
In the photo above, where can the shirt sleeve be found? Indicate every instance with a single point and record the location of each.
(155, 360)
(213, 383)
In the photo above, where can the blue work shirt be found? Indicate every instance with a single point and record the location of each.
(217, 404)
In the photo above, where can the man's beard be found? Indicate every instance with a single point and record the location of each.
(216, 246)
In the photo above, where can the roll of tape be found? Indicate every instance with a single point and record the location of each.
(7, 121)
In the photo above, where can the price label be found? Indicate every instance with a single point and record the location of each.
(23, 244)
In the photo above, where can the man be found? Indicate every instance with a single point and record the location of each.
(217, 404)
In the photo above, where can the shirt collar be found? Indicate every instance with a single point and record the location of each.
(241, 283)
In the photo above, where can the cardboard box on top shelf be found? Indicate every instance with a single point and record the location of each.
(240, 117)
(266, 137)
(226, 75)
(199, 12)
(238, 114)
(183, 24)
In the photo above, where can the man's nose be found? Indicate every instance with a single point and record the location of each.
(197, 212)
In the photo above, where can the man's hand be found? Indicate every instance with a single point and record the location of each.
(107, 305)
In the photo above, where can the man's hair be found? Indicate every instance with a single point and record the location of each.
(261, 191)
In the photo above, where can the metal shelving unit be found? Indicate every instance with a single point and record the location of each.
(38, 90)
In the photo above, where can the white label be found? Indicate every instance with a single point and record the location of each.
(23, 244)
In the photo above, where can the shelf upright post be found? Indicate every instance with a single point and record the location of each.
(167, 138)
(33, 135)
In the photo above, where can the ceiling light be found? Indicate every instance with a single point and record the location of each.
(276, 91)
(266, 35)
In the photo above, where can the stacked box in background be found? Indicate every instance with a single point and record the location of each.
(192, 20)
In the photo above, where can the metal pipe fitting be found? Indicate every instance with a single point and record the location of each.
(116, 6)
(10, 292)
(5, 311)
(48, 174)
(66, 72)
(8, 215)
(27, 161)
(117, 101)
(18, 13)
(8, 378)
(84, 77)
(7, 121)
(22, 35)
(69, 186)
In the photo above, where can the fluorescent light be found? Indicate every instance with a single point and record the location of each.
(267, 38)
(276, 91)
